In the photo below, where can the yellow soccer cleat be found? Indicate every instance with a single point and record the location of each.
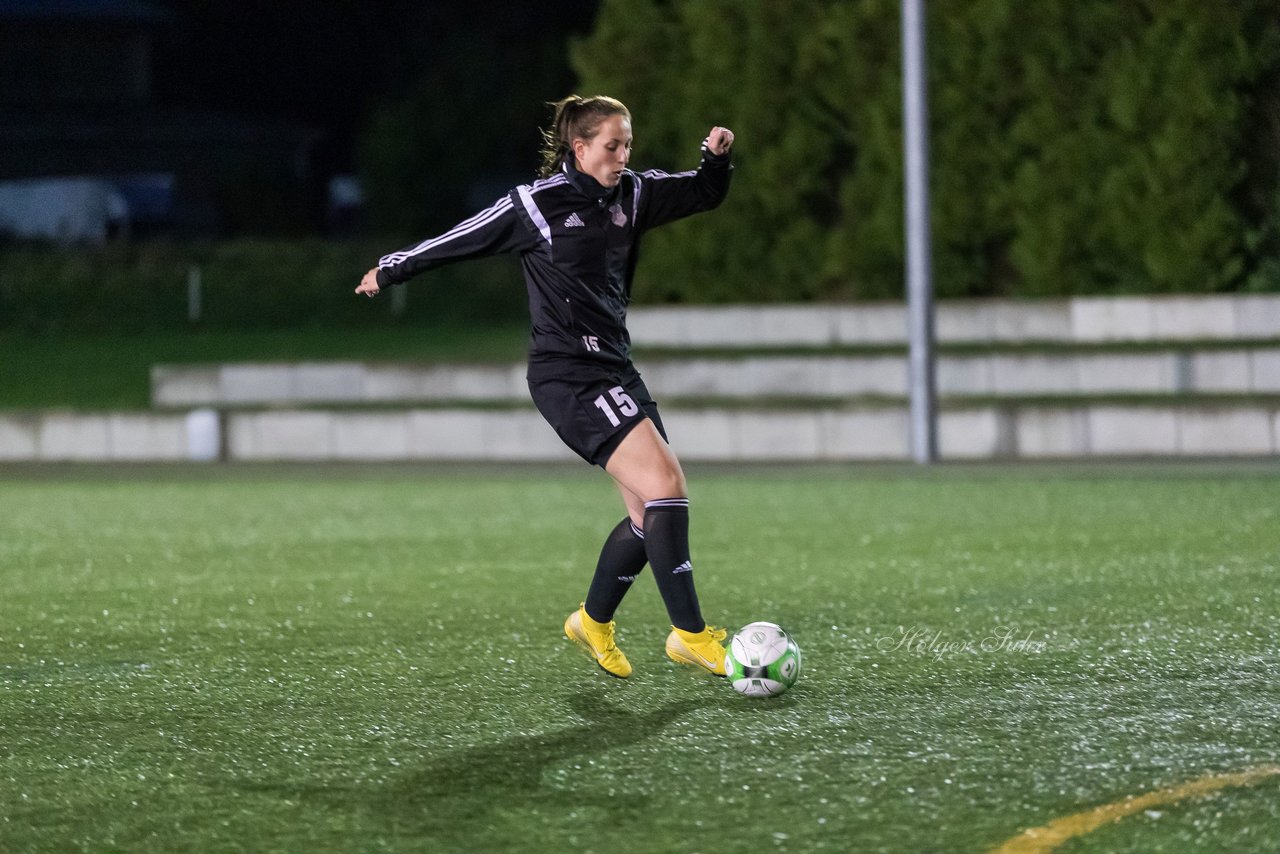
(597, 640)
(701, 649)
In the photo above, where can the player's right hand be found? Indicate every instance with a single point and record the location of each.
(369, 284)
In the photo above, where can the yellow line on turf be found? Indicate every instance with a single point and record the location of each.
(1037, 840)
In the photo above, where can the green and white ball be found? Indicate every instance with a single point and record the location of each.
(762, 660)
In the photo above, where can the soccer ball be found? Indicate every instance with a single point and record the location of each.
(762, 660)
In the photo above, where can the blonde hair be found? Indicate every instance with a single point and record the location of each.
(575, 117)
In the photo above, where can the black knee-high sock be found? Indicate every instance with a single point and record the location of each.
(621, 560)
(666, 540)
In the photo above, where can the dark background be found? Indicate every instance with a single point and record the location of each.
(230, 119)
(1092, 147)
(331, 66)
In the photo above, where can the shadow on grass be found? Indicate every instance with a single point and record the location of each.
(471, 788)
(513, 769)
(465, 795)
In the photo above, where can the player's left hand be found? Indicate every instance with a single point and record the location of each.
(719, 141)
(369, 284)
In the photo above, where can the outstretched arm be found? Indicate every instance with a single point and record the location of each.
(494, 230)
(666, 197)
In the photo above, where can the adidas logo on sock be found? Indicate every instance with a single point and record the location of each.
(574, 221)
(684, 567)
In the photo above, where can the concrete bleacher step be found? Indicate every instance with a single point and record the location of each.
(1080, 320)
(1006, 430)
(1038, 380)
(1083, 377)
(742, 433)
(1173, 371)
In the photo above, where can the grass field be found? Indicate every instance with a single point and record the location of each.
(370, 659)
(114, 370)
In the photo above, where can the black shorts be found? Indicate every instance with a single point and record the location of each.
(592, 408)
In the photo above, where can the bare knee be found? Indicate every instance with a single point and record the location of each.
(644, 465)
(671, 484)
(650, 484)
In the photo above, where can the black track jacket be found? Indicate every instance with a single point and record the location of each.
(578, 244)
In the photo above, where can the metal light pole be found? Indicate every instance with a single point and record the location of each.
(915, 111)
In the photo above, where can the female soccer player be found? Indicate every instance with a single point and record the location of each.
(577, 231)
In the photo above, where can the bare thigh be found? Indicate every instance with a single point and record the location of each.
(645, 469)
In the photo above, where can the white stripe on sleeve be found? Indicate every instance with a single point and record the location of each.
(658, 174)
(465, 227)
(531, 208)
(635, 198)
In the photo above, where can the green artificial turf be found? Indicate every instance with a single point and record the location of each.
(371, 659)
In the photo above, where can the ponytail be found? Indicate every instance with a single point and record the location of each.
(573, 118)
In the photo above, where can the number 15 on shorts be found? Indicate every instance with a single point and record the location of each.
(622, 400)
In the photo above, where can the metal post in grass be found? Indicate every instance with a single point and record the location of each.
(194, 293)
(915, 111)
